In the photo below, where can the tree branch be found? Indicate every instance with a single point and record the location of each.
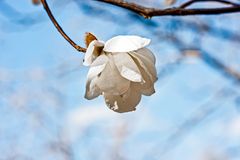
(59, 28)
(187, 4)
(147, 12)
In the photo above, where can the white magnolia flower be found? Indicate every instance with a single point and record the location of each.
(121, 70)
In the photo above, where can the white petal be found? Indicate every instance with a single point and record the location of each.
(147, 54)
(95, 70)
(127, 67)
(110, 80)
(92, 90)
(93, 51)
(146, 64)
(102, 59)
(148, 91)
(147, 88)
(125, 43)
(88, 54)
(126, 102)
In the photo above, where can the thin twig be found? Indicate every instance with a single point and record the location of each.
(60, 30)
(187, 4)
(147, 12)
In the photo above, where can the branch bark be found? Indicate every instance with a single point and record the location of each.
(147, 12)
(188, 3)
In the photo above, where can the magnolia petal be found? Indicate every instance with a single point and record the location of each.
(93, 51)
(126, 102)
(100, 60)
(148, 91)
(146, 87)
(89, 53)
(127, 67)
(147, 53)
(110, 80)
(124, 43)
(95, 70)
(92, 90)
(146, 64)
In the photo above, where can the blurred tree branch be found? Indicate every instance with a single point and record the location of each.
(205, 57)
(147, 12)
(35, 2)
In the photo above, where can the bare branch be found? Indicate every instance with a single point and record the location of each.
(59, 28)
(147, 12)
(187, 4)
(150, 12)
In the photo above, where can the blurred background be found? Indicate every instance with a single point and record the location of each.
(194, 114)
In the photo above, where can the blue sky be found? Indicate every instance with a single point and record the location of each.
(43, 113)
